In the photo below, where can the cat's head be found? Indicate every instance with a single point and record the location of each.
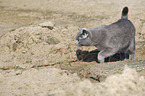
(83, 37)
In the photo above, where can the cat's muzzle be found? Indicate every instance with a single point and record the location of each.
(77, 43)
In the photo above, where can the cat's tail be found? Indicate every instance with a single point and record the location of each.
(124, 13)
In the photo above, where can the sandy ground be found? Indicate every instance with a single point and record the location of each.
(38, 56)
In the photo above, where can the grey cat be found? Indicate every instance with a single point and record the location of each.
(110, 39)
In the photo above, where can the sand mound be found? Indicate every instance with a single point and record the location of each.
(34, 82)
(129, 83)
(56, 82)
(35, 45)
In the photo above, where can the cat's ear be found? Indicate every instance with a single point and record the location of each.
(85, 33)
(80, 28)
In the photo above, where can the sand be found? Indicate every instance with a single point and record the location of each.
(38, 55)
(56, 82)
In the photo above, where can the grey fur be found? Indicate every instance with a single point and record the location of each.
(110, 39)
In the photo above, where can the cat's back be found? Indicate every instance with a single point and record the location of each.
(121, 29)
(122, 25)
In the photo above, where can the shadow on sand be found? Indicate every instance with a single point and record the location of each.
(86, 56)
